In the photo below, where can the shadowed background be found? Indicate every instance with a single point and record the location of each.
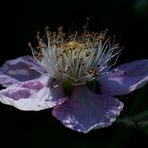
(128, 20)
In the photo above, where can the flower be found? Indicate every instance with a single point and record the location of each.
(72, 61)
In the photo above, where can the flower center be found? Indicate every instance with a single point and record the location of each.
(76, 58)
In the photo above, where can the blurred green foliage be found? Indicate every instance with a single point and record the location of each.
(140, 7)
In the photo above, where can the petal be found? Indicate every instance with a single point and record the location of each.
(18, 70)
(32, 95)
(85, 110)
(125, 78)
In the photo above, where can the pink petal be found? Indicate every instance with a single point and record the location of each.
(125, 78)
(32, 95)
(18, 70)
(85, 110)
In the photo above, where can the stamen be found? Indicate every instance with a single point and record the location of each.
(78, 58)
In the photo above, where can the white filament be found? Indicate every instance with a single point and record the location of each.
(76, 60)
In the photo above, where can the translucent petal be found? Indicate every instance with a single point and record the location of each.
(125, 78)
(85, 110)
(32, 95)
(18, 70)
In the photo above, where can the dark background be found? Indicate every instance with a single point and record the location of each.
(128, 19)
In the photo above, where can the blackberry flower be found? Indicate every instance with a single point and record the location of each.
(72, 61)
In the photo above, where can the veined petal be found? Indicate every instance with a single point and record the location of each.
(32, 95)
(18, 70)
(125, 78)
(85, 110)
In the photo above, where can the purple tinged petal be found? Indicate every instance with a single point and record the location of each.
(32, 95)
(16, 94)
(18, 70)
(85, 110)
(125, 78)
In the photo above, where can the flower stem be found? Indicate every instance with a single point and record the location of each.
(135, 121)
